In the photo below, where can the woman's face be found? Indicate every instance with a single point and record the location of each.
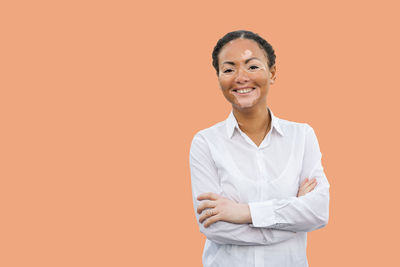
(243, 65)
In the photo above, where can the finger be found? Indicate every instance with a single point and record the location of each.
(301, 192)
(309, 181)
(209, 195)
(211, 220)
(311, 186)
(304, 182)
(205, 205)
(207, 213)
(304, 185)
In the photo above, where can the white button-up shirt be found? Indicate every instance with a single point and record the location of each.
(224, 160)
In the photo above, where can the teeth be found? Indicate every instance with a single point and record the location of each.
(242, 91)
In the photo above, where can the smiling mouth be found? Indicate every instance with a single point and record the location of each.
(244, 91)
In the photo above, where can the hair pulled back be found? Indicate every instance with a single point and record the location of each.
(245, 35)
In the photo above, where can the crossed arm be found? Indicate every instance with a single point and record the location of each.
(224, 230)
(219, 208)
(261, 223)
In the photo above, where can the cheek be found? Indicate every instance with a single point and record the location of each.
(261, 78)
(225, 83)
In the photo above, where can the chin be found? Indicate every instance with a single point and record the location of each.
(243, 107)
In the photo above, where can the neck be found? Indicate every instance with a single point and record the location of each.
(254, 121)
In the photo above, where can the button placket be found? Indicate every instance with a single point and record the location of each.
(259, 175)
(262, 165)
(259, 165)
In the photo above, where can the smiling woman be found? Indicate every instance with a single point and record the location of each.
(244, 75)
(252, 195)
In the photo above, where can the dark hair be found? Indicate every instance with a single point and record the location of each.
(246, 35)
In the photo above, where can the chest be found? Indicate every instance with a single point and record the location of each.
(247, 174)
(256, 138)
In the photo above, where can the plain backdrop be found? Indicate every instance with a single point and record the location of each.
(99, 102)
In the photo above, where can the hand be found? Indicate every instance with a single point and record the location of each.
(218, 208)
(306, 186)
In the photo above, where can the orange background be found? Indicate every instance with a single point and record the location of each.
(100, 101)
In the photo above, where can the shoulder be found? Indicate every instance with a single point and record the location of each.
(207, 140)
(215, 131)
(301, 133)
(293, 127)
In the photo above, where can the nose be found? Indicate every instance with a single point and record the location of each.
(241, 76)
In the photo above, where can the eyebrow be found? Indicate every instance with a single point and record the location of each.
(247, 60)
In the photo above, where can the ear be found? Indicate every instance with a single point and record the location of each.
(272, 73)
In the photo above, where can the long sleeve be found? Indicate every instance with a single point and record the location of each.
(300, 214)
(204, 178)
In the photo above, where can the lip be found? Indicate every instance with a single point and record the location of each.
(241, 94)
(239, 88)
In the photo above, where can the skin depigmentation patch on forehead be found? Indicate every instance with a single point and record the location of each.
(246, 54)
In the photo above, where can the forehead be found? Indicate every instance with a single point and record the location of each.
(241, 49)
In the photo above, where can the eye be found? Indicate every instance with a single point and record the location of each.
(227, 70)
(254, 67)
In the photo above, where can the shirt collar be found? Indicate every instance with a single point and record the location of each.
(231, 124)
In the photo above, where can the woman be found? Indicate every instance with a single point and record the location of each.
(257, 180)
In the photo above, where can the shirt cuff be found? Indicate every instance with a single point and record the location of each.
(262, 214)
